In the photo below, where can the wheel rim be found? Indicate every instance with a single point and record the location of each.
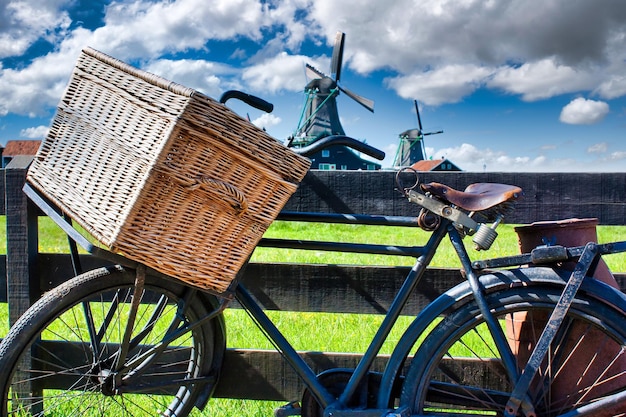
(452, 383)
(81, 379)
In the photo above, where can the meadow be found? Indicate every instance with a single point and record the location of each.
(312, 331)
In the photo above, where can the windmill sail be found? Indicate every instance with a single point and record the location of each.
(320, 115)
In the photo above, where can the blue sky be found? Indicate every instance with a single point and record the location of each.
(515, 85)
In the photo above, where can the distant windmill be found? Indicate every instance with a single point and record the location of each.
(411, 148)
(320, 117)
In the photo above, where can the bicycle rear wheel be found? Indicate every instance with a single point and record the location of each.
(458, 371)
(62, 357)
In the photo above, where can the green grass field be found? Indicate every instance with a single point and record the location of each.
(316, 331)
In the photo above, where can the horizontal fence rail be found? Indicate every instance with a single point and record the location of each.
(306, 288)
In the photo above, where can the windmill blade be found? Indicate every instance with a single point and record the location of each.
(419, 119)
(313, 72)
(336, 62)
(433, 133)
(365, 102)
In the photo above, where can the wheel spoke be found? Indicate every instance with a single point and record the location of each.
(458, 370)
(74, 336)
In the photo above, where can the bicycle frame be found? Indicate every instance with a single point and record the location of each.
(304, 371)
(588, 255)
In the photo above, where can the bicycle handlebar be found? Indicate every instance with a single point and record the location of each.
(254, 101)
(340, 140)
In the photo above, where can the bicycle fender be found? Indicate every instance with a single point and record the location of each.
(462, 294)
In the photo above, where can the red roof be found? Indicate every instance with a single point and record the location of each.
(426, 164)
(21, 147)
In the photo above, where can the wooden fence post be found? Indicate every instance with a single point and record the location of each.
(22, 240)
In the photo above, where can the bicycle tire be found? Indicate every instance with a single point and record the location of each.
(439, 382)
(75, 381)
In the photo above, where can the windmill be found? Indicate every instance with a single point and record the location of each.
(411, 148)
(320, 117)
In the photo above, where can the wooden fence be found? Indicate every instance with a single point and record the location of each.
(287, 287)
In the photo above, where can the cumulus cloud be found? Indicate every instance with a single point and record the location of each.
(24, 22)
(282, 72)
(448, 84)
(470, 158)
(36, 89)
(614, 87)
(472, 32)
(38, 132)
(175, 26)
(266, 121)
(542, 79)
(209, 77)
(436, 51)
(457, 47)
(581, 111)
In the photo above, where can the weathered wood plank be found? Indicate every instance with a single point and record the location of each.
(269, 377)
(548, 196)
(2, 192)
(21, 278)
(297, 287)
(302, 287)
(266, 375)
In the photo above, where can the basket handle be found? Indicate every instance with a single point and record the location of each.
(237, 198)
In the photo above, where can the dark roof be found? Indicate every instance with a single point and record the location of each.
(21, 147)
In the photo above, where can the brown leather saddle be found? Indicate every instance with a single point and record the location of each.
(476, 197)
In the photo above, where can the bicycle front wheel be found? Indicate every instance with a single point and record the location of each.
(458, 370)
(70, 353)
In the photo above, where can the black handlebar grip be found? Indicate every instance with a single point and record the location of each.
(254, 101)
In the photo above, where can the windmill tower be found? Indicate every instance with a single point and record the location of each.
(411, 148)
(320, 117)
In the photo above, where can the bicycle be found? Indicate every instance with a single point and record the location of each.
(136, 342)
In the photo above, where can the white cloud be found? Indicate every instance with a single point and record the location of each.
(470, 158)
(438, 51)
(473, 159)
(618, 156)
(266, 120)
(541, 49)
(601, 147)
(175, 26)
(540, 80)
(449, 54)
(581, 111)
(405, 34)
(614, 87)
(448, 84)
(200, 75)
(36, 89)
(38, 132)
(281, 72)
(24, 22)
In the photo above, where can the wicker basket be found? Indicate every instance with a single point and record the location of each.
(162, 173)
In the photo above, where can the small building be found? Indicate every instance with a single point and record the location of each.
(341, 158)
(19, 147)
(435, 165)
